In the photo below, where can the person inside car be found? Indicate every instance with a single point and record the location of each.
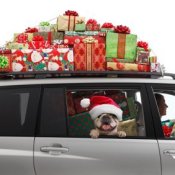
(167, 125)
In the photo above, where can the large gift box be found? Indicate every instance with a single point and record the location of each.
(15, 45)
(68, 22)
(28, 60)
(90, 56)
(60, 59)
(122, 46)
(128, 67)
(80, 124)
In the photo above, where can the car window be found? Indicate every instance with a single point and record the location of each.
(80, 119)
(18, 108)
(165, 104)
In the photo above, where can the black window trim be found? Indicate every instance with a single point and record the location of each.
(147, 115)
(154, 109)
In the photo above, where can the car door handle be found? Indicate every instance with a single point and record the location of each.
(55, 149)
(169, 153)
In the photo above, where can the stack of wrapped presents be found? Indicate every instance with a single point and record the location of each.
(76, 44)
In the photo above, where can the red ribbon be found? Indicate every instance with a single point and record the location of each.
(31, 30)
(92, 21)
(143, 45)
(122, 29)
(107, 25)
(71, 13)
(38, 38)
(167, 130)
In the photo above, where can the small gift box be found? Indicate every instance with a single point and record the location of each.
(5, 62)
(38, 42)
(31, 30)
(44, 26)
(71, 40)
(23, 37)
(50, 36)
(92, 25)
(15, 45)
(142, 53)
(106, 27)
(127, 67)
(80, 26)
(68, 21)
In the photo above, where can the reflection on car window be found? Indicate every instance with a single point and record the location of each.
(93, 114)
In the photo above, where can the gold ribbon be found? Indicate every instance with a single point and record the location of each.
(90, 39)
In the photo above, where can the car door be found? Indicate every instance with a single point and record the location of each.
(63, 145)
(18, 106)
(165, 140)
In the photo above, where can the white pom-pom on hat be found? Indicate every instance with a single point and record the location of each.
(85, 103)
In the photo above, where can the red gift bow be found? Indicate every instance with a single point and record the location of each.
(71, 13)
(142, 44)
(92, 21)
(31, 30)
(107, 25)
(38, 38)
(167, 130)
(22, 38)
(122, 29)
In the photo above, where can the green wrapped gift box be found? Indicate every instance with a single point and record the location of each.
(80, 27)
(80, 124)
(122, 46)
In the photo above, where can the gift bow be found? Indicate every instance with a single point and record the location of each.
(79, 21)
(38, 38)
(31, 30)
(4, 62)
(122, 29)
(92, 21)
(107, 25)
(89, 39)
(22, 38)
(71, 13)
(142, 44)
(44, 23)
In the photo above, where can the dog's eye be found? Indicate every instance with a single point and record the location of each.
(98, 116)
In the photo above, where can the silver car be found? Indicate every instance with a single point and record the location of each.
(45, 131)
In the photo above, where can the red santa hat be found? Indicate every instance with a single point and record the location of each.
(101, 104)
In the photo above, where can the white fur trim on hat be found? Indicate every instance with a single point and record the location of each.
(85, 103)
(106, 108)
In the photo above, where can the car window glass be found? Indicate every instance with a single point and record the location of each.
(18, 111)
(165, 103)
(80, 119)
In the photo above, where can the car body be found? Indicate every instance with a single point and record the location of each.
(39, 137)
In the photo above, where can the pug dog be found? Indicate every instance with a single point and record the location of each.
(107, 124)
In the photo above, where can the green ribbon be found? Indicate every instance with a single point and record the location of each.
(4, 62)
(44, 23)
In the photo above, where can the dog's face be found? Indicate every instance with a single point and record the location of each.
(106, 123)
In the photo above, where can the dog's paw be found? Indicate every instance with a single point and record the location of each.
(94, 133)
(121, 133)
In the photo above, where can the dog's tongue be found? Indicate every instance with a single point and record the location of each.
(106, 127)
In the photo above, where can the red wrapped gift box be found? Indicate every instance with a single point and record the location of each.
(89, 56)
(71, 40)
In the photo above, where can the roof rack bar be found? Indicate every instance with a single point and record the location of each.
(47, 74)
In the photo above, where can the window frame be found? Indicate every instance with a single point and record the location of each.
(154, 109)
(147, 115)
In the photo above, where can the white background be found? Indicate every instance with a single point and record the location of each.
(152, 20)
